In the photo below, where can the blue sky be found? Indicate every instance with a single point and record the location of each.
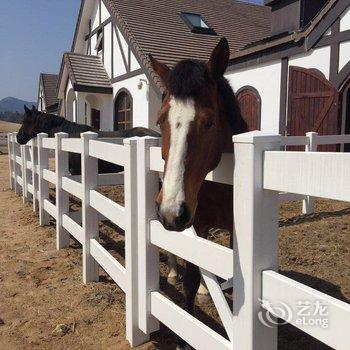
(33, 36)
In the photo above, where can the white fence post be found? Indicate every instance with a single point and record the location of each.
(10, 155)
(43, 163)
(309, 202)
(33, 150)
(133, 334)
(14, 162)
(148, 254)
(24, 173)
(62, 197)
(89, 174)
(255, 240)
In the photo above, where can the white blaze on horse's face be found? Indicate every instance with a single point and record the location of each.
(181, 115)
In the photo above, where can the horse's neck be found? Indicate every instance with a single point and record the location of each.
(69, 128)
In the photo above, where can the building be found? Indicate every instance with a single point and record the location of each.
(298, 78)
(47, 93)
(289, 60)
(106, 80)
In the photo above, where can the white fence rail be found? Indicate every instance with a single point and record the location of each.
(3, 140)
(252, 264)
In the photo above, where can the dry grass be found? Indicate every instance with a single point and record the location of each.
(8, 127)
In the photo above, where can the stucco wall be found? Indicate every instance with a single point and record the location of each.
(318, 59)
(104, 12)
(139, 97)
(345, 20)
(266, 79)
(95, 18)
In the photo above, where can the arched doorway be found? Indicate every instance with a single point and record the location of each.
(92, 111)
(313, 105)
(249, 102)
(123, 110)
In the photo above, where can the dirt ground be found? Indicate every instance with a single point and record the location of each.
(45, 305)
(7, 127)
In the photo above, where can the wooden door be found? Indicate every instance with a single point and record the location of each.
(250, 105)
(313, 105)
(95, 119)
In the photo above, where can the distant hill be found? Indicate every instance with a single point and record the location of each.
(11, 109)
(12, 104)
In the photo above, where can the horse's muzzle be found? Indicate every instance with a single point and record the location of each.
(179, 222)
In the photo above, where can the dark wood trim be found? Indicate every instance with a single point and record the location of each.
(133, 49)
(266, 56)
(103, 45)
(129, 59)
(256, 92)
(95, 89)
(339, 7)
(329, 39)
(342, 76)
(283, 96)
(99, 12)
(128, 75)
(334, 61)
(89, 40)
(101, 26)
(122, 51)
(112, 51)
(131, 105)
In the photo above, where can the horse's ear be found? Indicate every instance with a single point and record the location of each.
(34, 108)
(160, 68)
(219, 58)
(27, 110)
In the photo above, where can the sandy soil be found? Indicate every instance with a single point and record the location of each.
(41, 288)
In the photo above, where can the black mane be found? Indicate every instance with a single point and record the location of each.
(189, 77)
(229, 101)
(52, 124)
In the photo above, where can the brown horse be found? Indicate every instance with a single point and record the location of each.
(198, 117)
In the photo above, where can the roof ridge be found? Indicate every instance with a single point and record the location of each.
(71, 53)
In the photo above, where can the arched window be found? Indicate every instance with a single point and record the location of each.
(250, 105)
(123, 111)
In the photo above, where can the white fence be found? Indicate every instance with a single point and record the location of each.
(3, 139)
(262, 171)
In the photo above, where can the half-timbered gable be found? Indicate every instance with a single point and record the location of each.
(122, 34)
(301, 74)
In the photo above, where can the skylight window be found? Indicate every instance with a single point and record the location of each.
(196, 23)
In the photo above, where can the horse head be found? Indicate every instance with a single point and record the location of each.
(35, 122)
(198, 117)
(29, 128)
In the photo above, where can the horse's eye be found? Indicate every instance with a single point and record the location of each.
(208, 125)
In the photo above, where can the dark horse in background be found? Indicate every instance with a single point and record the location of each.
(198, 117)
(36, 122)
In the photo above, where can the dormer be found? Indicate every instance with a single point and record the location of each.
(292, 15)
